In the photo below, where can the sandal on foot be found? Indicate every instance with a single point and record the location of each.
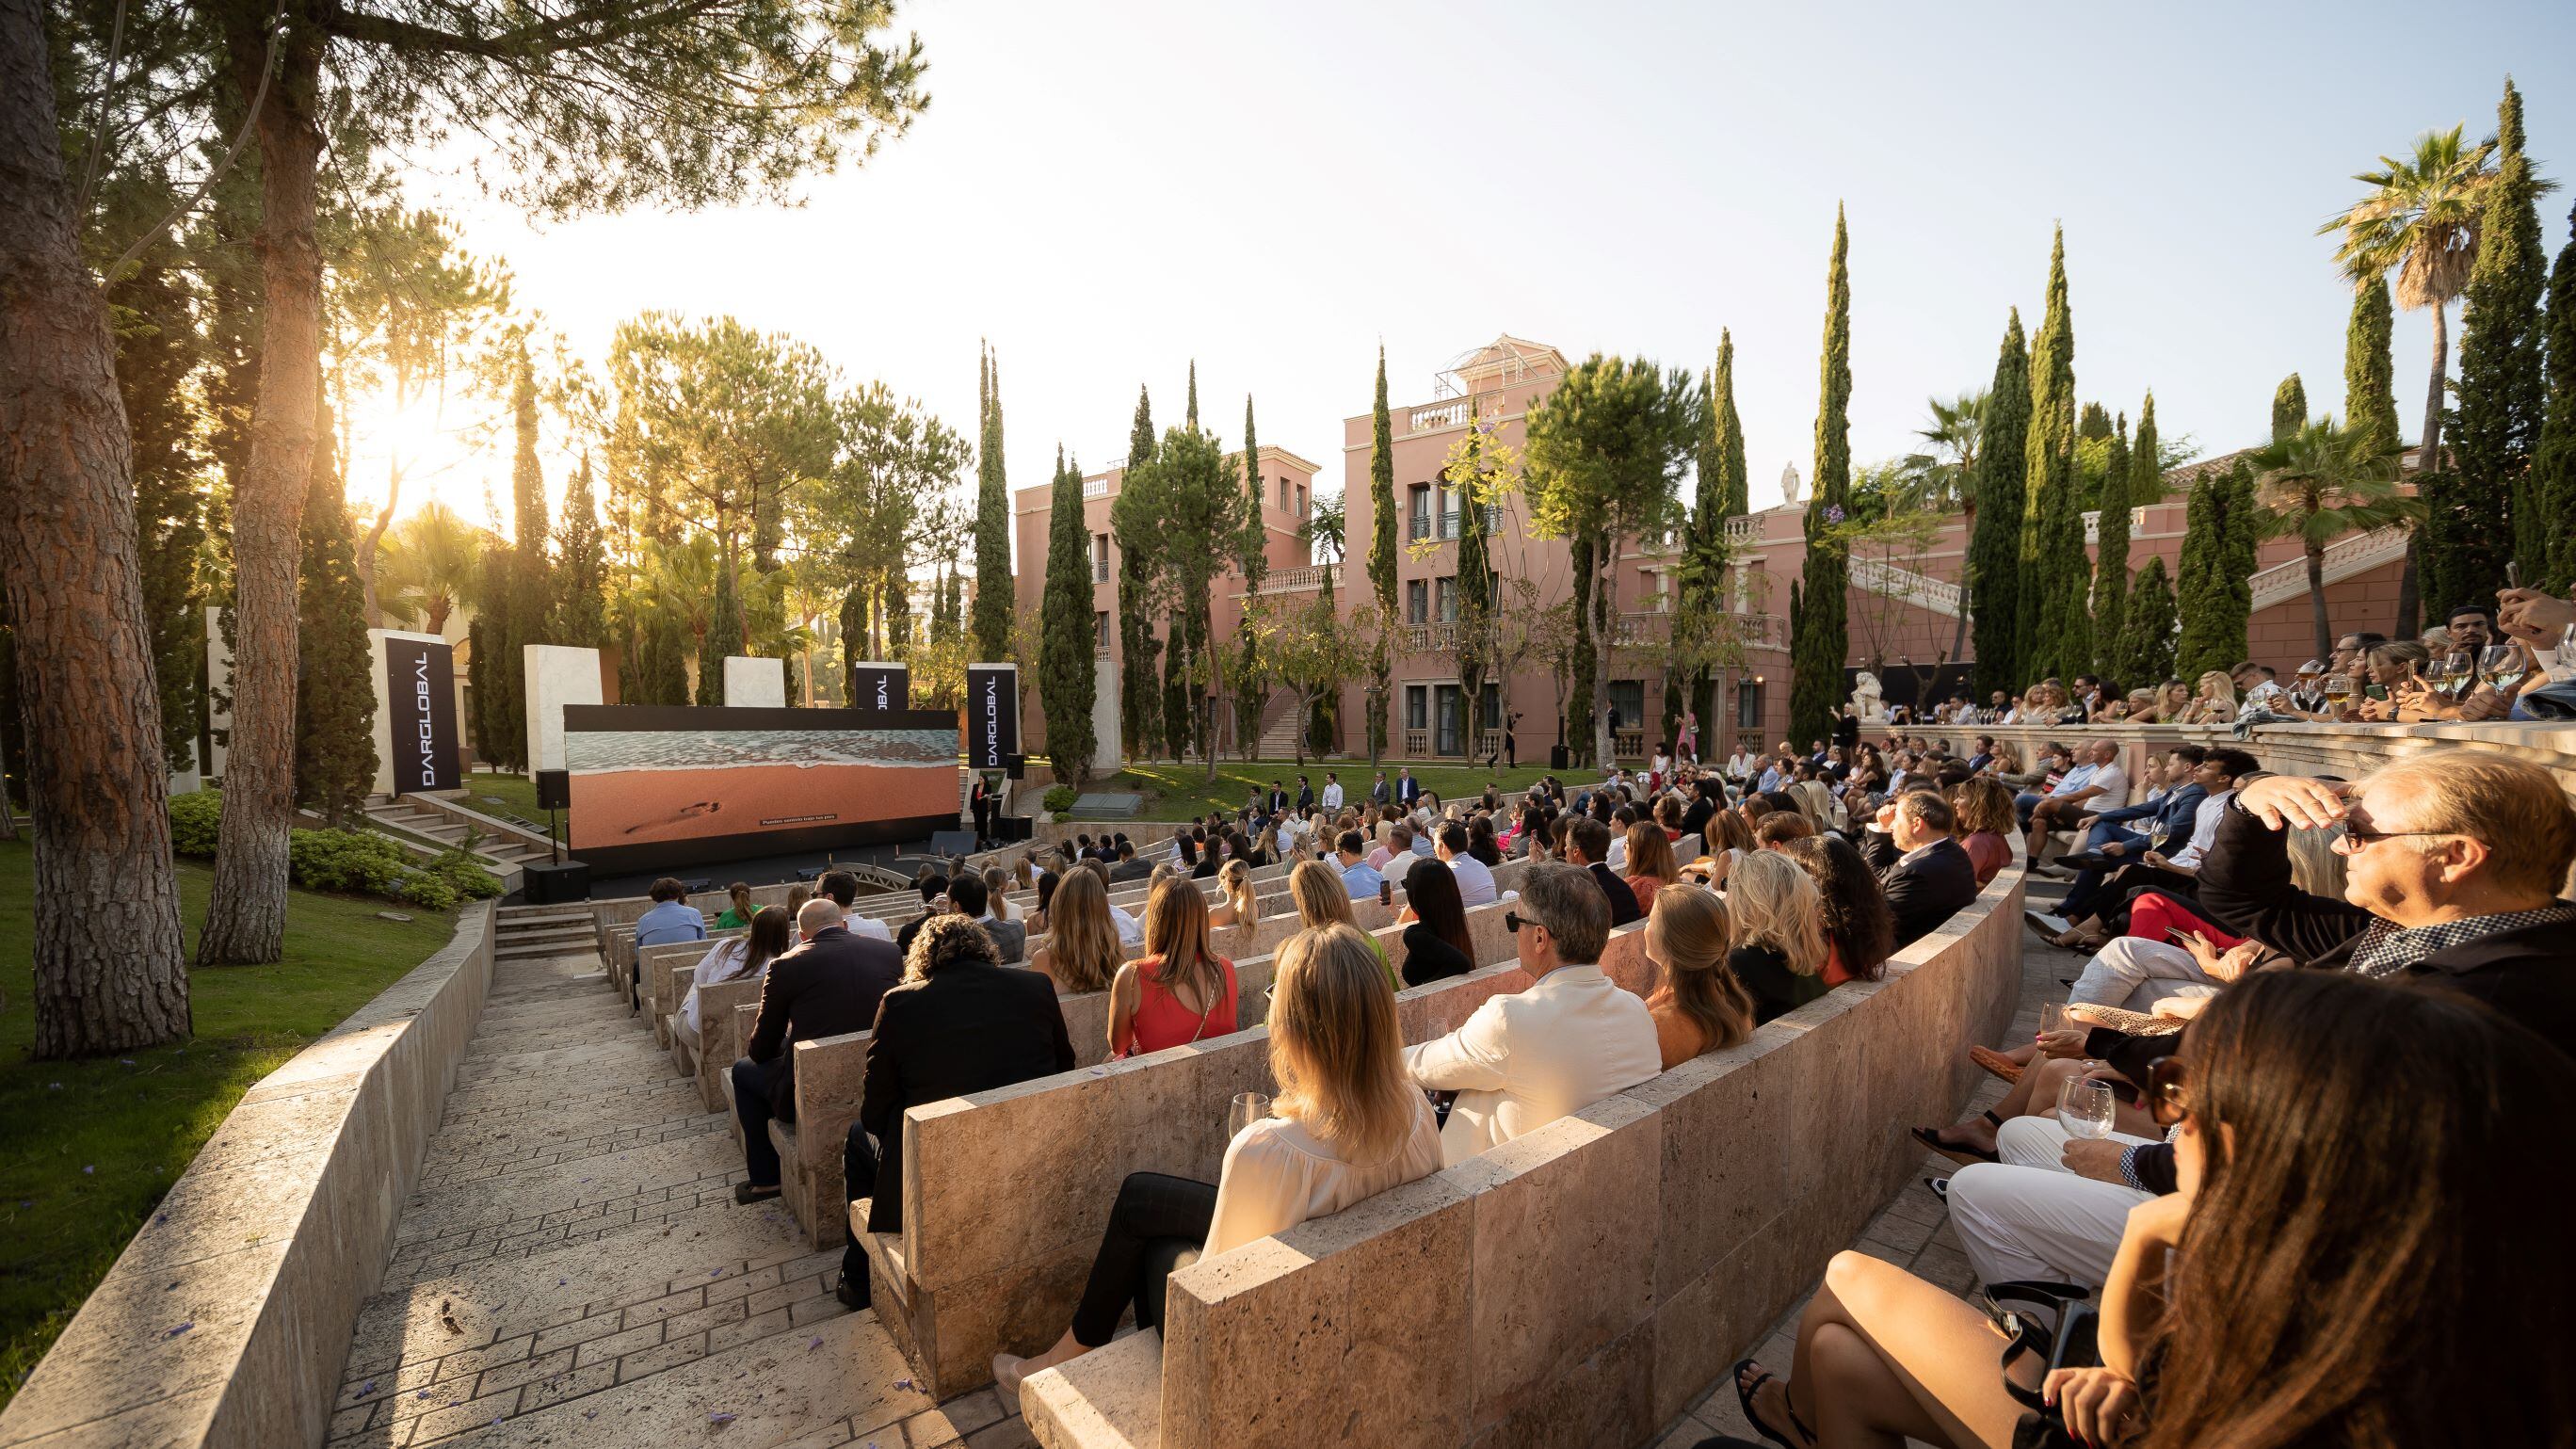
(1963, 1155)
(1995, 1063)
(1744, 1393)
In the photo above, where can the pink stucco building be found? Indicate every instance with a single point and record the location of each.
(1904, 610)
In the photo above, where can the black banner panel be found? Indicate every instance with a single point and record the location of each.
(420, 697)
(992, 715)
(667, 785)
(875, 684)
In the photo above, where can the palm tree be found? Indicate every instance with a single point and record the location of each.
(1941, 477)
(680, 582)
(2322, 482)
(2419, 219)
(431, 566)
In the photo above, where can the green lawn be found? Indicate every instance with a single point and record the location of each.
(92, 1146)
(515, 794)
(1182, 792)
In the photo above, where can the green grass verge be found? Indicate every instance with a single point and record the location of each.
(516, 794)
(1182, 792)
(91, 1147)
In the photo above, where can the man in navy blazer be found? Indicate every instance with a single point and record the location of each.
(1925, 873)
(1407, 788)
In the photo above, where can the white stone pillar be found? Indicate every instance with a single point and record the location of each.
(558, 675)
(1109, 750)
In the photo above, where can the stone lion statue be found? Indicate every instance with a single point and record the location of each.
(1869, 700)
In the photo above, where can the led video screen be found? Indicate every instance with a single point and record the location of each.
(657, 786)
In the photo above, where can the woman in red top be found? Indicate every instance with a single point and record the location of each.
(1180, 990)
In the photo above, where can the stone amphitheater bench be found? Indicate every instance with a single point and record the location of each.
(1578, 1284)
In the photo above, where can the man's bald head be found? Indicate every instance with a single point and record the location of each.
(817, 916)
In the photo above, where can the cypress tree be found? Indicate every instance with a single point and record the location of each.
(2048, 466)
(2066, 636)
(2503, 389)
(993, 606)
(2146, 655)
(335, 697)
(525, 574)
(2553, 462)
(2289, 408)
(1139, 713)
(1994, 540)
(1252, 541)
(581, 576)
(898, 615)
(478, 684)
(1724, 492)
(1381, 563)
(1067, 683)
(2111, 554)
(2369, 381)
(2215, 596)
(1822, 640)
(724, 635)
(854, 623)
(1475, 588)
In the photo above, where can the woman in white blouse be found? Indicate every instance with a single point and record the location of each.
(735, 958)
(1348, 1124)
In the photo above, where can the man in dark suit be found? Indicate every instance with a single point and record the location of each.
(1128, 866)
(1705, 803)
(1407, 788)
(1925, 873)
(969, 1025)
(1588, 845)
(1276, 800)
(1378, 793)
(1305, 795)
(828, 986)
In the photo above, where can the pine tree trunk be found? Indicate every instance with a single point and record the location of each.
(1605, 618)
(246, 911)
(2317, 599)
(110, 966)
(2428, 459)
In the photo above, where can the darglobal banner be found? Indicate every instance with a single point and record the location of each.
(420, 697)
(876, 684)
(992, 715)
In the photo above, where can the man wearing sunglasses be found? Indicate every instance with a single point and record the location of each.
(1523, 1060)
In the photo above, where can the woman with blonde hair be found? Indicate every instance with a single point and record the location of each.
(2213, 701)
(996, 881)
(1237, 905)
(1180, 990)
(1650, 863)
(1699, 1006)
(1346, 1124)
(1779, 942)
(739, 914)
(1082, 952)
(1322, 901)
(2173, 701)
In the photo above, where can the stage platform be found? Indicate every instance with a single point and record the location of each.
(763, 870)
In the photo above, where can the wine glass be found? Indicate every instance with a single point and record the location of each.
(2452, 672)
(2085, 1107)
(1248, 1108)
(2504, 665)
(2338, 689)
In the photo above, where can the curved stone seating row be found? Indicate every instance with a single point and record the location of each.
(1577, 1285)
(225, 1320)
(831, 1071)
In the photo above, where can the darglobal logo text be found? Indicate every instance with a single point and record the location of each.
(428, 732)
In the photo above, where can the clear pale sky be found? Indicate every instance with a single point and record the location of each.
(1109, 192)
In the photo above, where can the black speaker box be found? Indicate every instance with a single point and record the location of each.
(1015, 827)
(554, 789)
(1559, 758)
(555, 885)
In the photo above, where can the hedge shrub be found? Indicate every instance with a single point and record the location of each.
(352, 862)
(1060, 798)
(196, 820)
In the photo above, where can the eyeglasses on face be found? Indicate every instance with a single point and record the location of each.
(2350, 839)
(2168, 1091)
(1513, 921)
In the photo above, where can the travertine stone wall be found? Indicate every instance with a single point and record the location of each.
(268, 1243)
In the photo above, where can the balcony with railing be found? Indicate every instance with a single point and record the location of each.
(1100, 570)
(1095, 487)
(1439, 415)
(1750, 631)
(1743, 529)
(1292, 581)
(1418, 745)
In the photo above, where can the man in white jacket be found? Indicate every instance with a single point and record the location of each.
(1524, 1060)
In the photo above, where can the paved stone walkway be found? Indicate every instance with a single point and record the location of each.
(571, 1270)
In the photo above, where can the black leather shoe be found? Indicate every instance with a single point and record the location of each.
(747, 1193)
(853, 1296)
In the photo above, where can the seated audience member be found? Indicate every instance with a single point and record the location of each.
(1323, 900)
(1360, 880)
(2105, 787)
(1082, 952)
(738, 914)
(827, 986)
(970, 897)
(1129, 867)
(1588, 846)
(1345, 1125)
(1650, 863)
(1523, 1060)
(1482, 844)
(670, 918)
(1131, 932)
(2453, 865)
(1860, 931)
(2322, 1130)
(1926, 875)
(959, 1022)
(2100, 912)
(841, 888)
(1982, 821)
(735, 958)
(797, 895)
(1180, 991)
(1778, 827)
(1238, 903)
(1698, 1006)
(1475, 878)
(1778, 948)
(1436, 943)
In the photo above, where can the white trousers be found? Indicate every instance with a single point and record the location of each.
(2026, 1216)
(2135, 973)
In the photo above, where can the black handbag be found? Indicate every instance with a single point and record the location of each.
(2073, 1344)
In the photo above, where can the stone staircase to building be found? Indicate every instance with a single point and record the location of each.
(1280, 723)
(501, 845)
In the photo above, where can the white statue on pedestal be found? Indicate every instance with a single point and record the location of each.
(1868, 701)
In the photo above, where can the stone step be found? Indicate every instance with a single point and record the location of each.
(518, 932)
(512, 1095)
(507, 950)
(515, 1206)
(523, 915)
(624, 1058)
